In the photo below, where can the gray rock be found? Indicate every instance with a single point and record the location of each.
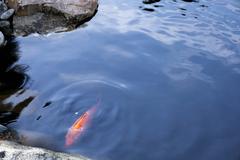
(3, 7)
(2, 128)
(4, 24)
(39, 23)
(61, 15)
(6, 15)
(70, 8)
(2, 41)
(13, 151)
(10, 135)
(5, 27)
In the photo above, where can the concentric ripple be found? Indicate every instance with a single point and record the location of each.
(69, 103)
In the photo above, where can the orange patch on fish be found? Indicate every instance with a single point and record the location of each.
(79, 126)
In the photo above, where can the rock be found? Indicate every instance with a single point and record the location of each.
(13, 151)
(70, 8)
(4, 24)
(5, 27)
(7, 14)
(2, 128)
(2, 42)
(3, 7)
(9, 134)
(39, 23)
(51, 15)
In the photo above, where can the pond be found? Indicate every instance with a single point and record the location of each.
(165, 73)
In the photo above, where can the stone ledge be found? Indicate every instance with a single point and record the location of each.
(13, 151)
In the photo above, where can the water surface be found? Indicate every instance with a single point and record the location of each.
(167, 74)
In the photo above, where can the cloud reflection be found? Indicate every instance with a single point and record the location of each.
(211, 33)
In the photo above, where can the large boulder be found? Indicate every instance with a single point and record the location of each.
(13, 151)
(45, 16)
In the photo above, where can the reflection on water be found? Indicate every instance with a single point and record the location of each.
(156, 4)
(12, 76)
(12, 79)
(168, 81)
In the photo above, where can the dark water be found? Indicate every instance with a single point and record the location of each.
(167, 74)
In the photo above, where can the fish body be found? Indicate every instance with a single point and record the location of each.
(79, 126)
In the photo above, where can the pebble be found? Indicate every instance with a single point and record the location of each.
(2, 42)
(3, 128)
(7, 14)
(5, 27)
(4, 24)
(3, 7)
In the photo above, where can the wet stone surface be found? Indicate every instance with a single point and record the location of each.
(13, 151)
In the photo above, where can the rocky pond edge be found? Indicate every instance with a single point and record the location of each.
(6, 15)
(12, 151)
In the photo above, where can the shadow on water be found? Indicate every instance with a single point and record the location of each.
(152, 5)
(12, 79)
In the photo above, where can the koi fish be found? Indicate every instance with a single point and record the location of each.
(79, 125)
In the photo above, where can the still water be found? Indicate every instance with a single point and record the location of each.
(167, 74)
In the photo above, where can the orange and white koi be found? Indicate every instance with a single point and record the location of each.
(80, 125)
